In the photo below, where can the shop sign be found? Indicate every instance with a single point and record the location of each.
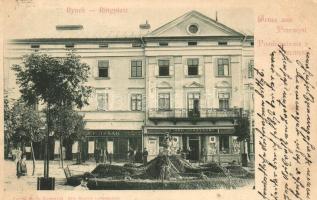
(190, 131)
(115, 133)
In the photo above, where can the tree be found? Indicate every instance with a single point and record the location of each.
(8, 132)
(67, 125)
(55, 81)
(25, 127)
(58, 82)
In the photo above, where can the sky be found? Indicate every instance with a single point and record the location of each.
(37, 19)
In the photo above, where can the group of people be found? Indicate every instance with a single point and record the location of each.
(135, 155)
(102, 155)
(186, 154)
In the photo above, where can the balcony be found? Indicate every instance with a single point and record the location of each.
(194, 116)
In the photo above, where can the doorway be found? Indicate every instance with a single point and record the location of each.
(194, 149)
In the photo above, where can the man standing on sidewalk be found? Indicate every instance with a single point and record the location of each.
(145, 154)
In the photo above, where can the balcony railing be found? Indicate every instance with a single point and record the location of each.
(191, 114)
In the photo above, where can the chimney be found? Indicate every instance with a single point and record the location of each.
(216, 16)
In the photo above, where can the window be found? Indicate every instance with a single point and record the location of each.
(224, 144)
(164, 69)
(35, 46)
(252, 43)
(69, 27)
(102, 101)
(223, 67)
(136, 102)
(136, 45)
(69, 45)
(193, 28)
(163, 44)
(164, 101)
(136, 68)
(192, 64)
(251, 69)
(224, 101)
(222, 43)
(103, 45)
(103, 68)
(193, 104)
(192, 43)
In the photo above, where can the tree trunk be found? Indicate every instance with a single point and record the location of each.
(61, 151)
(33, 159)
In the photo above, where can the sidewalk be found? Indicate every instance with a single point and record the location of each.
(29, 182)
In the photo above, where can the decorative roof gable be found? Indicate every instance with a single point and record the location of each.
(193, 23)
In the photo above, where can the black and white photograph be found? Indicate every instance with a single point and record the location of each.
(131, 97)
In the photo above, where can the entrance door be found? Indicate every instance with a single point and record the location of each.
(194, 147)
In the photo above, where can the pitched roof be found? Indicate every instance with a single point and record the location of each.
(221, 27)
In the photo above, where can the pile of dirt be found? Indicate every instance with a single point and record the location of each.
(162, 167)
(106, 170)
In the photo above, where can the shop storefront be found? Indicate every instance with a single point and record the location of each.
(117, 142)
(201, 144)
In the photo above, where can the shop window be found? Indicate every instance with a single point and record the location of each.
(224, 144)
(136, 68)
(164, 101)
(163, 67)
(103, 68)
(235, 145)
(223, 67)
(192, 64)
(136, 102)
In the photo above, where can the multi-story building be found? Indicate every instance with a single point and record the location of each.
(191, 78)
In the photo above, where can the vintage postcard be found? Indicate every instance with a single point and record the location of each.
(111, 100)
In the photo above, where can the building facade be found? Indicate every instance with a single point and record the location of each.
(191, 78)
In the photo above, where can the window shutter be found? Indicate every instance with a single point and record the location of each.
(186, 68)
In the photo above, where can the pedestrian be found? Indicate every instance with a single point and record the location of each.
(131, 155)
(97, 155)
(145, 155)
(204, 155)
(21, 166)
(188, 153)
(110, 155)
